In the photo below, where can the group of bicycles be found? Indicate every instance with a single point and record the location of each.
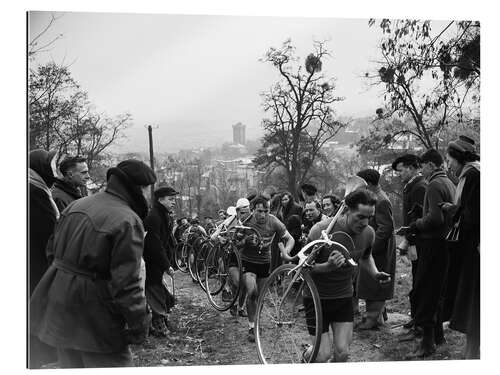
(282, 332)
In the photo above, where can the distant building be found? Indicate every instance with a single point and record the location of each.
(239, 133)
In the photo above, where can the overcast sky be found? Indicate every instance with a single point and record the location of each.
(195, 76)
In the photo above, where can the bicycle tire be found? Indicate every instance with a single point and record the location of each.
(281, 331)
(201, 259)
(191, 263)
(180, 257)
(217, 276)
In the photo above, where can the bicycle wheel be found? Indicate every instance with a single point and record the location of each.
(181, 257)
(191, 263)
(201, 259)
(222, 291)
(282, 333)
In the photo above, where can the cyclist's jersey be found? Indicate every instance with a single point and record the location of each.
(272, 227)
(338, 283)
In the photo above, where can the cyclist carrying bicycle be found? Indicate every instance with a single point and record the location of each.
(256, 257)
(333, 276)
(242, 214)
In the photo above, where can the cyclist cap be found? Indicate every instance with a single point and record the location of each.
(231, 211)
(242, 202)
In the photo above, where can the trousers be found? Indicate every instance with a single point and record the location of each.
(430, 282)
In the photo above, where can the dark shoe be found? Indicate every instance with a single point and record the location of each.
(170, 326)
(409, 325)
(384, 315)
(227, 296)
(159, 329)
(242, 313)
(251, 335)
(368, 325)
(411, 335)
(422, 351)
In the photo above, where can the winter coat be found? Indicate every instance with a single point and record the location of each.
(433, 224)
(92, 292)
(466, 309)
(42, 220)
(383, 252)
(413, 199)
(64, 193)
(159, 244)
(42, 213)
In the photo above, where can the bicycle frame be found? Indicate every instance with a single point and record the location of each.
(305, 260)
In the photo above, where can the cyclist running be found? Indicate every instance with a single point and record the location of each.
(242, 214)
(256, 257)
(333, 276)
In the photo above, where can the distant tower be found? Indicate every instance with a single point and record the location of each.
(239, 133)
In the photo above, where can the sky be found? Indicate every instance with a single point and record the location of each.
(192, 76)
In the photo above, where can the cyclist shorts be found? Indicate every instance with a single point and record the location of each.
(261, 270)
(233, 261)
(338, 310)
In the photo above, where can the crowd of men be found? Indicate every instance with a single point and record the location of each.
(97, 263)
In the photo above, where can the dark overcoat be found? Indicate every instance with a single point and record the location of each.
(466, 309)
(64, 193)
(92, 291)
(159, 244)
(383, 252)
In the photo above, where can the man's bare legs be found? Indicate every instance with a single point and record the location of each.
(342, 339)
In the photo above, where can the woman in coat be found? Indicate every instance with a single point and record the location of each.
(42, 215)
(465, 213)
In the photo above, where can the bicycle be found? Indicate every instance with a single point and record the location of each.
(282, 332)
(221, 258)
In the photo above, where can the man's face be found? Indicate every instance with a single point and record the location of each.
(184, 222)
(357, 219)
(79, 174)
(261, 213)
(311, 211)
(452, 164)
(285, 199)
(405, 172)
(168, 202)
(208, 220)
(427, 169)
(327, 206)
(243, 213)
(222, 215)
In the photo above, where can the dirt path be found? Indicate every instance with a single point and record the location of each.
(205, 336)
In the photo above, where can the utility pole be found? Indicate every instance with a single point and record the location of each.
(151, 159)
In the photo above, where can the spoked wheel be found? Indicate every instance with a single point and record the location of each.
(282, 333)
(201, 259)
(181, 257)
(191, 263)
(222, 265)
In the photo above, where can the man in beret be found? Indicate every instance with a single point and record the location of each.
(90, 304)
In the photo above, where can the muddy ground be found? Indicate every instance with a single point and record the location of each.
(205, 336)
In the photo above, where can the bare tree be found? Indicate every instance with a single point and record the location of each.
(301, 115)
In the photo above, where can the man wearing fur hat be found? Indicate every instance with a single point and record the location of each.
(90, 304)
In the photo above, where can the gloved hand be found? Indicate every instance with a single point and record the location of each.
(138, 334)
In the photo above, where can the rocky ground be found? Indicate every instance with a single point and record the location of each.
(205, 336)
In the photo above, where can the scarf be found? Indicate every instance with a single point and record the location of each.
(36, 180)
(461, 180)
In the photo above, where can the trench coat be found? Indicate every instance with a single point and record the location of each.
(90, 299)
(383, 252)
